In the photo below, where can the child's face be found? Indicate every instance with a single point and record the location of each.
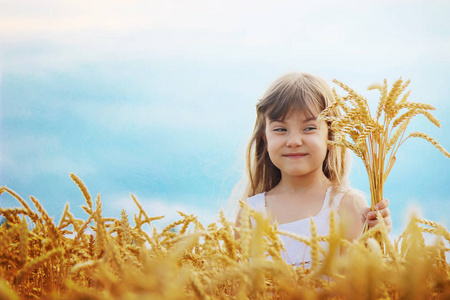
(297, 145)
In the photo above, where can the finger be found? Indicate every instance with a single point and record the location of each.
(373, 215)
(364, 212)
(387, 221)
(372, 223)
(384, 212)
(382, 204)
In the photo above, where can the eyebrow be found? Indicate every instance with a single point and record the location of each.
(273, 121)
(310, 119)
(282, 121)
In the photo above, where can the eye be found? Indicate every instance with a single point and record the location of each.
(310, 128)
(279, 129)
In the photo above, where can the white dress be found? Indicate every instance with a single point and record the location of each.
(298, 253)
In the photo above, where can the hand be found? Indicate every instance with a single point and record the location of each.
(371, 216)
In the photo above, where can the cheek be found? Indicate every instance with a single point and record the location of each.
(324, 138)
(272, 142)
(272, 146)
(320, 145)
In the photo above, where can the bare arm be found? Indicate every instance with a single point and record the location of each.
(353, 211)
(349, 210)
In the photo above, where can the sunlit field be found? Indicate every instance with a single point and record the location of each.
(124, 257)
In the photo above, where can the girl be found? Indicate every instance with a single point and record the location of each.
(294, 174)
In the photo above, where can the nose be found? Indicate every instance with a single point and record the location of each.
(294, 140)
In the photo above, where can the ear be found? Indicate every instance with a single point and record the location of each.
(264, 138)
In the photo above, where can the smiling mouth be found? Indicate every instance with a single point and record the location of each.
(295, 155)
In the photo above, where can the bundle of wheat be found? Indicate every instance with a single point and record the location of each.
(376, 139)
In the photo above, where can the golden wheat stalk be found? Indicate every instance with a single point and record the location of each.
(376, 139)
(31, 265)
(83, 189)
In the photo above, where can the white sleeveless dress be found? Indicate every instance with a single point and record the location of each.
(298, 253)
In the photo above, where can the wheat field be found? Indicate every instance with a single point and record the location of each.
(118, 258)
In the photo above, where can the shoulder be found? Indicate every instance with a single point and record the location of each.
(256, 202)
(352, 200)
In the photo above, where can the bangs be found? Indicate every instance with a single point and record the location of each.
(291, 99)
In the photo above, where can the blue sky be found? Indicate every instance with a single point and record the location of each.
(157, 98)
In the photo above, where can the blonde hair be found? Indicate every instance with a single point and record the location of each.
(292, 92)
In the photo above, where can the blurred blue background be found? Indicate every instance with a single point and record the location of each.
(157, 97)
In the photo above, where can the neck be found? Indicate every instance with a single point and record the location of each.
(303, 184)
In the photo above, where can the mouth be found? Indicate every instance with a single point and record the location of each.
(295, 155)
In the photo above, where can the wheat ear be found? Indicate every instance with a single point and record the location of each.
(83, 189)
(429, 139)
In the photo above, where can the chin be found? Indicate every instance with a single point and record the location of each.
(296, 173)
